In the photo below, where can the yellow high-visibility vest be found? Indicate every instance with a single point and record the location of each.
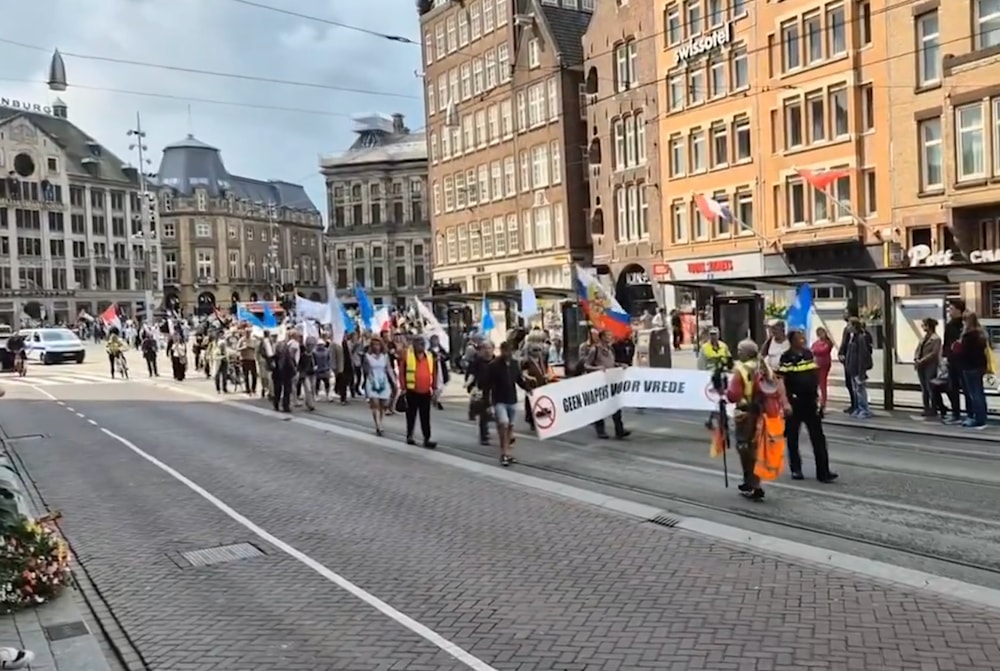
(411, 368)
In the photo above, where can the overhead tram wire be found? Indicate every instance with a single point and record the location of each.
(330, 22)
(214, 73)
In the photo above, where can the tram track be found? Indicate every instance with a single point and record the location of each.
(746, 511)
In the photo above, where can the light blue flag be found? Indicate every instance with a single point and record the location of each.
(244, 315)
(349, 324)
(486, 325)
(365, 306)
(799, 311)
(268, 320)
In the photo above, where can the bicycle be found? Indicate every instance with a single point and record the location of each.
(121, 363)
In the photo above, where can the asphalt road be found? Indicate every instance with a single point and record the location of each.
(373, 559)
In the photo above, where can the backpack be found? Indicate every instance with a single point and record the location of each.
(283, 358)
(307, 362)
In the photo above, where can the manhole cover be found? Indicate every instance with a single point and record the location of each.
(64, 630)
(221, 554)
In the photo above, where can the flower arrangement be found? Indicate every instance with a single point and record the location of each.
(774, 311)
(34, 563)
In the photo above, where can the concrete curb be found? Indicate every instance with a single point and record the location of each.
(78, 653)
(879, 571)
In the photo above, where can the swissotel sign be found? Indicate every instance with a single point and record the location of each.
(704, 44)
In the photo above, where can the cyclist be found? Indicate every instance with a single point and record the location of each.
(115, 347)
(16, 346)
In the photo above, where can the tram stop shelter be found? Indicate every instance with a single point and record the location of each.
(882, 278)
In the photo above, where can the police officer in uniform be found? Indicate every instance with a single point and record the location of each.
(800, 374)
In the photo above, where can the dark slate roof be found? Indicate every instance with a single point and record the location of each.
(191, 163)
(76, 145)
(567, 27)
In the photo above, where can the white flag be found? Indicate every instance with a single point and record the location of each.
(335, 312)
(434, 327)
(529, 304)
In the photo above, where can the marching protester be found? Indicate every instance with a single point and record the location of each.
(503, 378)
(799, 374)
(218, 363)
(324, 363)
(247, 347)
(149, 348)
(177, 353)
(286, 362)
(435, 348)
(715, 357)
(421, 378)
(477, 382)
(307, 373)
(344, 381)
(776, 344)
(379, 382)
(601, 357)
(265, 364)
(535, 373)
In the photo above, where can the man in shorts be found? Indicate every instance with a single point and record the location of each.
(503, 377)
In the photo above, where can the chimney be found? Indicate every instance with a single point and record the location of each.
(397, 124)
(59, 109)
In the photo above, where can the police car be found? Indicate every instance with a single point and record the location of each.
(53, 345)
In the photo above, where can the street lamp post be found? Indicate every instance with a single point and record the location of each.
(139, 145)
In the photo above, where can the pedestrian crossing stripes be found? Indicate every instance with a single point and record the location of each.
(65, 379)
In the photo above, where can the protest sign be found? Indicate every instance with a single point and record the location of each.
(576, 402)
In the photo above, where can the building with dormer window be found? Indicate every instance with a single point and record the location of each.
(70, 225)
(376, 191)
(228, 238)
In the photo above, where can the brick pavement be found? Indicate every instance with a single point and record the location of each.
(521, 580)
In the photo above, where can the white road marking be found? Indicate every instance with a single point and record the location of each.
(424, 632)
(92, 422)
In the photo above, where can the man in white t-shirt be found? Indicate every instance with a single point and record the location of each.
(775, 345)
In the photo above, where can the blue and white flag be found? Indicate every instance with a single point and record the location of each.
(798, 313)
(486, 324)
(365, 307)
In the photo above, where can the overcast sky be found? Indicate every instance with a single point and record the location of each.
(222, 36)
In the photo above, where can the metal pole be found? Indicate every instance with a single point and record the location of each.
(273, 247)
(140, 147)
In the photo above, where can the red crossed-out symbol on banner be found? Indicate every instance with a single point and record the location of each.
(543, 410)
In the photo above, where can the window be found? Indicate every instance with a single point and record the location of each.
(864, 12)
(465, 80)
(793, 124)
(499, 236)
(202, 229)
(739, 8)
(795, 194)
(205, 264)
(441, 46)
(513, 239)
(503, 63)
(452, 246)
(483, 183)
(672, 21)
(536, 105)
(987, 23)
(698, 158)
(234, 264)
(493, 124)
(170, 266)
(502, 11)
(716, 13)
(717, 78)
(679, 221)
(452, 35)
(867, 107)
(700, 226)
(836, 30)
(693, 12)
(543, 227)
(838, 109)
(506, 119)
(640, 137)
(816, 109)
(428, 48)
(525, 166)
(491, 70)
(743, 145)
(626, 75)
(475, 21)
(534, 53)
(510, 177)
(463, 29)
(740, 71)
(631, 157)
(868, 181)
(478, 84)
(720, 147)
(696, 86)
(678, 156)
(813, 24)
(496, 179)
(675, 93)
(539, 166)
(969, 128)
(463, 243)
(555, 158)
(618, 132)
(744, 212)
(928, 49)
(791, 49)
(552, 87)
(842, 194)
(449, 194)
(487, 17)
(722, 224)
(481, 137)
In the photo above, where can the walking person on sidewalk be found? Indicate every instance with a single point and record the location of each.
(476, 381)
(150, 349)
(421, 376)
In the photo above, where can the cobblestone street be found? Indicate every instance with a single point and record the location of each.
(515, 579)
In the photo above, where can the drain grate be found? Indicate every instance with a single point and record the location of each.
(64, 630)
(221, 554)
(665, 521)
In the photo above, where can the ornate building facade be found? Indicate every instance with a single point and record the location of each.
(379, 233)
(228, 238)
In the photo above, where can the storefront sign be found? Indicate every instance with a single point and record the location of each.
(661, 271)
(25, 106)
(636, 278)
(704, 44)
(921, 255)
(736, 265)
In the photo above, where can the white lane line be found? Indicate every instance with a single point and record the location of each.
(424, 632)
(92, 422)
(48, 394)
(81, 415)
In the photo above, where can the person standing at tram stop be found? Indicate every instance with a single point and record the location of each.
(974, 360)
(800, 375)
(952, 335)
(421, 377)
(602, 357)
(715, 357)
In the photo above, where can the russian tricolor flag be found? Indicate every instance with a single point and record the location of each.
(601, 308)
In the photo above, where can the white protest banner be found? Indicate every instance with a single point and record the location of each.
(576, 402)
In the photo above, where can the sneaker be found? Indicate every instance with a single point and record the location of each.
(968, 424)
(14, 658)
